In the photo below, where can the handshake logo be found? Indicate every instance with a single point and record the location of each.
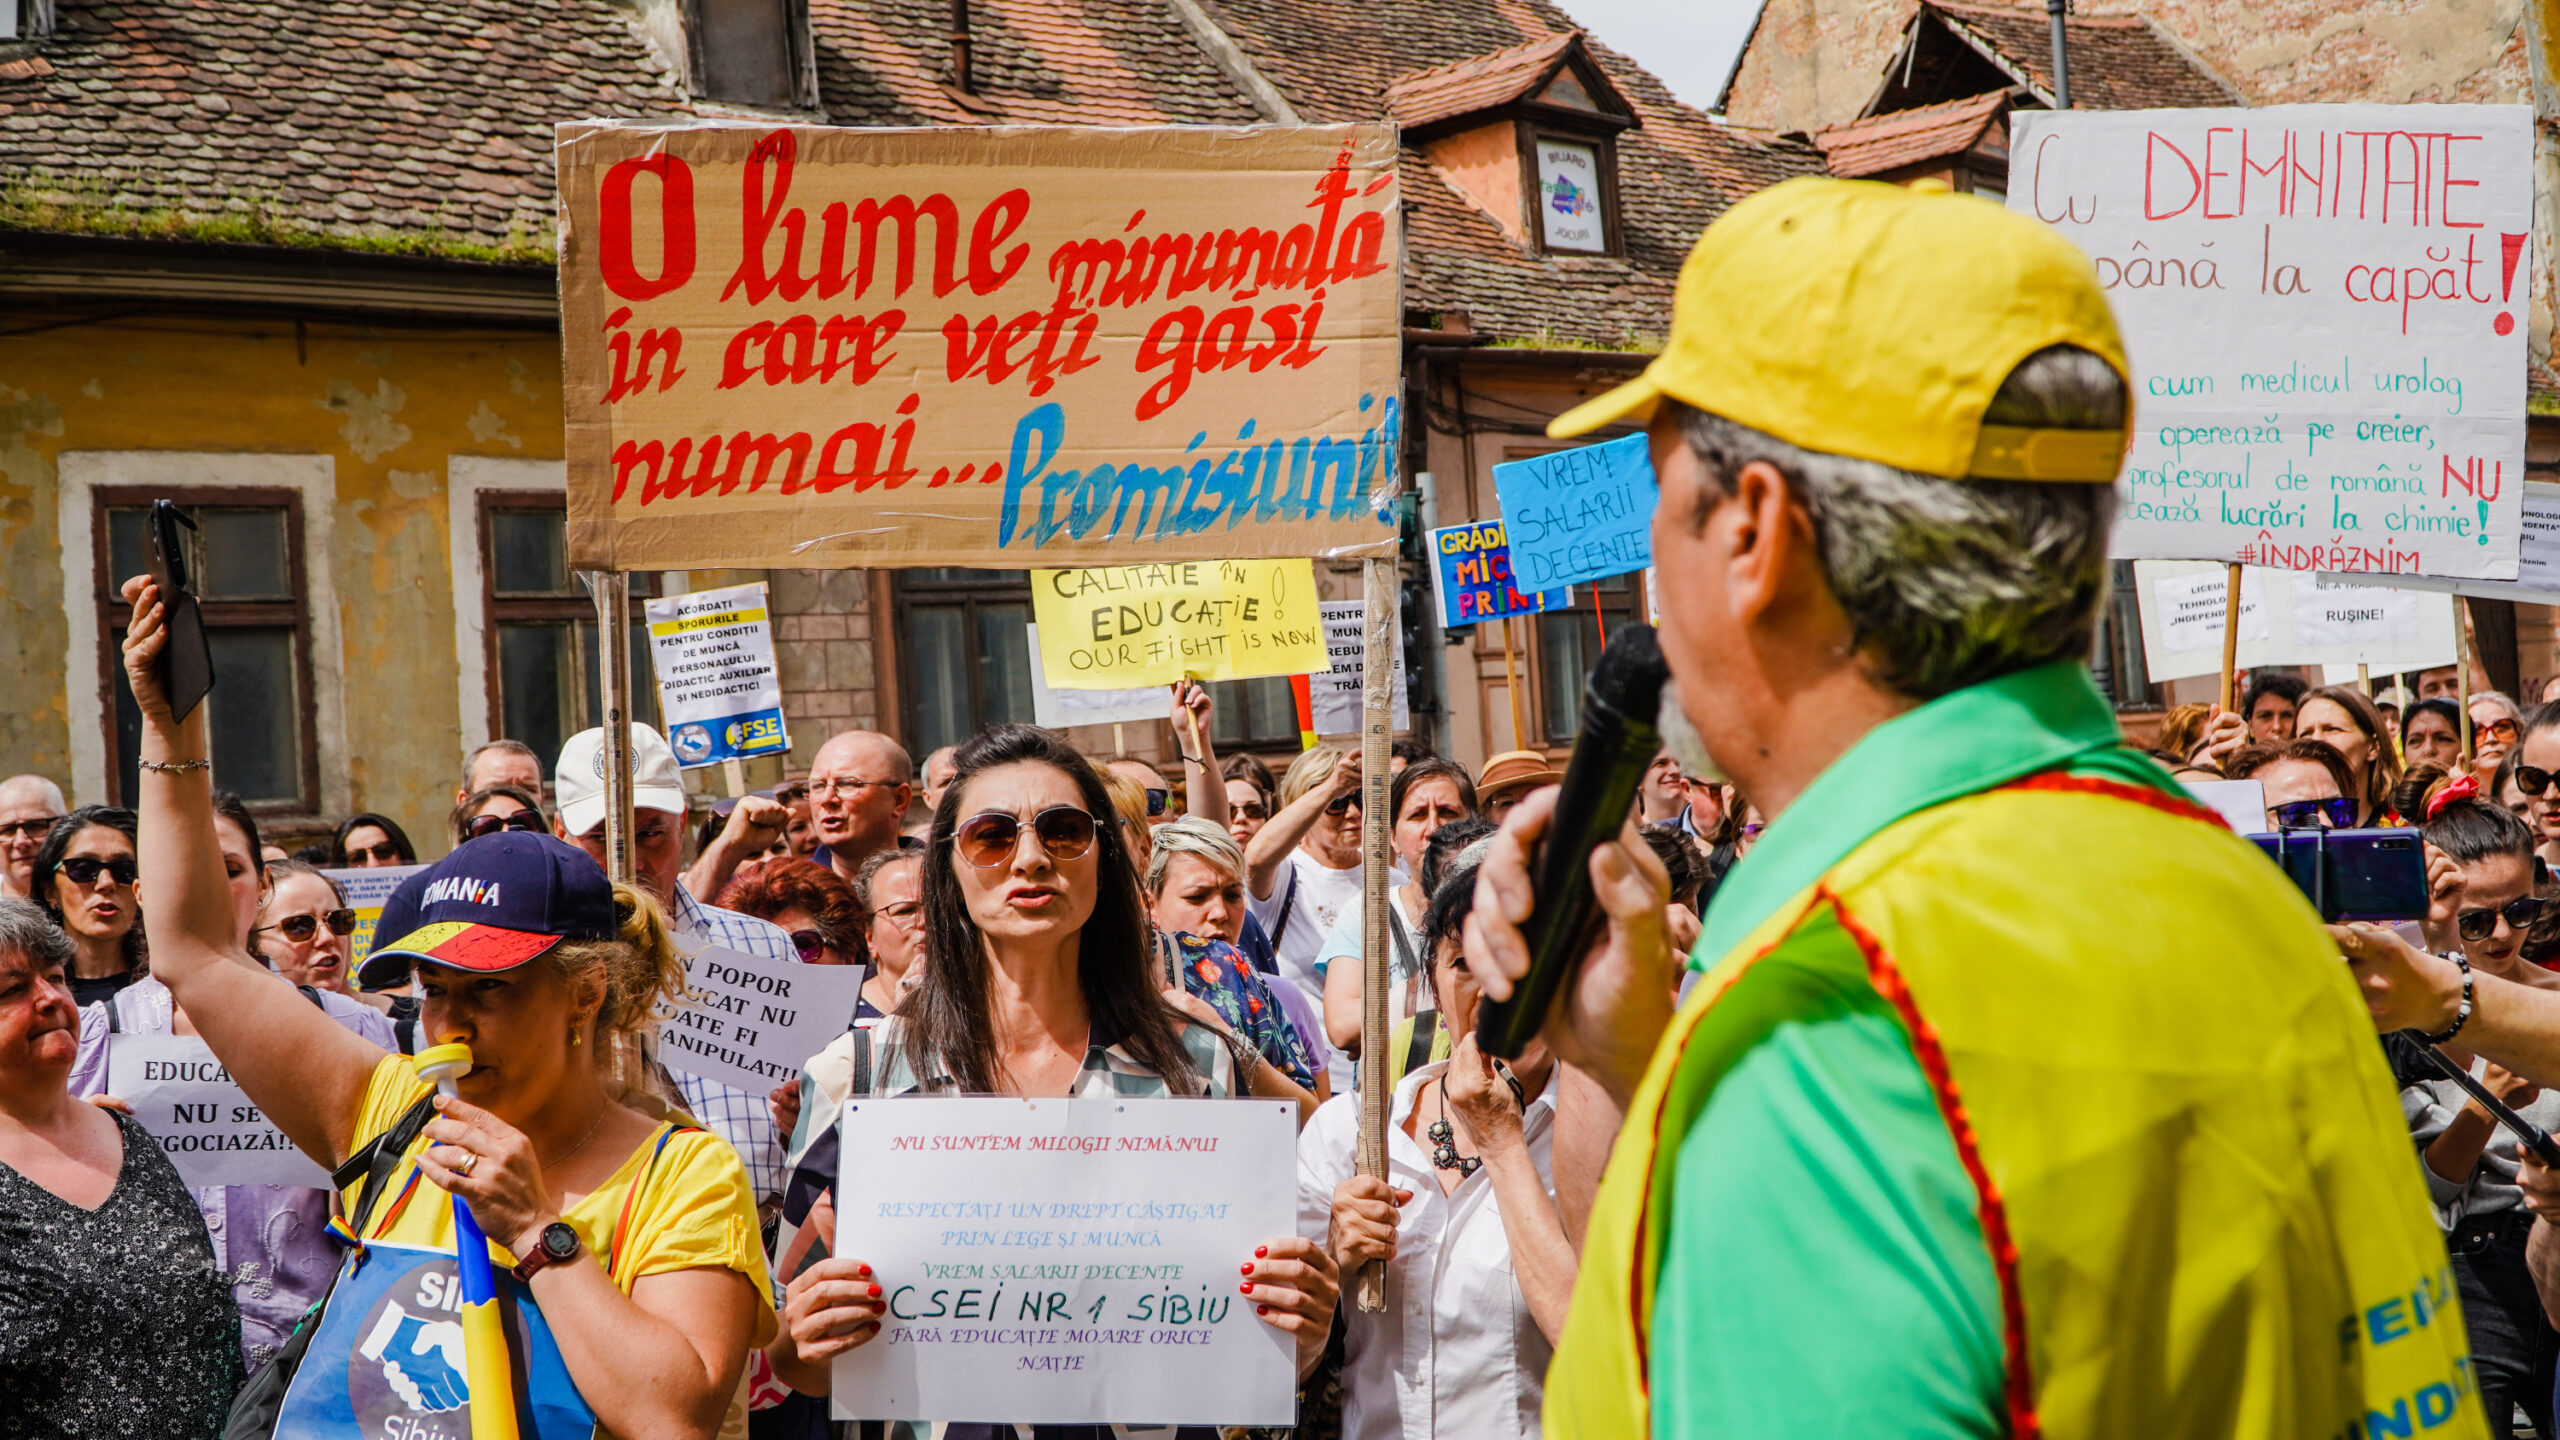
(421, 1358)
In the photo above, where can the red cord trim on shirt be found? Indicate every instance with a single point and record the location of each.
(2061, 782)
(1644, 1212)
(1889, 983)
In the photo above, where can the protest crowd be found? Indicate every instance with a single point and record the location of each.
(1925, 1056)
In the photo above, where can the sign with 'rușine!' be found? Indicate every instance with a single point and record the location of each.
(2325, 310)
(1015, 347)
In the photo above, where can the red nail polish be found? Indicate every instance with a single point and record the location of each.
(875, 1292)
(1244, 1289)
(1245, 1269)
(1261, 1251)
(866, 1272)
(1261, 1309)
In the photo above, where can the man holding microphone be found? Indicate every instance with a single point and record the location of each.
(2018, 1095)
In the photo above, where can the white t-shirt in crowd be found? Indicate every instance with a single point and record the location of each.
(1323, 896)
(1456, 1352)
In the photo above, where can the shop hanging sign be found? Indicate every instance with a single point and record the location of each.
(718, 686)
(988, 346)
(2325, 310)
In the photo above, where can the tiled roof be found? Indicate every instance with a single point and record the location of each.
(2118, 62)
(430, 119)
(1908, 137)
(340, 117)
(1477, 83)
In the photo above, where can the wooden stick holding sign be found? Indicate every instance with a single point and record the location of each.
(613, 674)
(2230, 637)
(1511, 688)
(1377, 714)
(2462, 667)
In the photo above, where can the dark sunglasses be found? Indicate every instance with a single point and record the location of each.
(2528, 780)
(2495, 729)
(1752, 831)
(2481, 924)
(83, 869)
(988, 840)
(1157, 801)
(485, 825)
(35, 829)
(1343, 805)
(2336, 813)
(300, 928)
(809, 943)
(1249, 810)
(385, 853)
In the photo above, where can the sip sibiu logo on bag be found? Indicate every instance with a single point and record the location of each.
(386, 1362)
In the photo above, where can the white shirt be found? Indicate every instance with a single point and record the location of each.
(1406, 994)
(1456, 1353)
(1323, 896)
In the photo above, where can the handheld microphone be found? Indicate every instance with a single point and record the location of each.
(1618, 740)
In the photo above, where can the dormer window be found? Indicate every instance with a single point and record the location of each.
(755, 53)
(1530, 135)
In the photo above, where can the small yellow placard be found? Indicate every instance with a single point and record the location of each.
(1130, 625)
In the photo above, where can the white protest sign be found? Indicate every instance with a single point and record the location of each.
(2285, 619)
(2242, 804)
(718, 685)
(1058, 709)
(198, 1113)
(2325, 309)
(1066, 1261)
(1334, 696)
(752, 1022)
(364, 891)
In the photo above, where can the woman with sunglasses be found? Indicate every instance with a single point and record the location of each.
(83, 876)
(367, 841)
(1038, 981)
(2536, 762)
(304, 927)
(1251, 796)
(496, 808)
(808, 902)
(2497, 723)
(2307, 784)
(2481, 880)
(1424, 797)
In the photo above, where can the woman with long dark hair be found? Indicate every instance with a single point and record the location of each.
(83, 876)
(367, 841)
(1039, 979)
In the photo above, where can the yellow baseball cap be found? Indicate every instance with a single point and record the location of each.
(1876, 321)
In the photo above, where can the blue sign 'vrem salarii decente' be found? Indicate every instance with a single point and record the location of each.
(1471, 575)
(1578, 515)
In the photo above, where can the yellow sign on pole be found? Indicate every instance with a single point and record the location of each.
(1131, 625)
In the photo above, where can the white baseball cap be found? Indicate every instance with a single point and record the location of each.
(578, 780)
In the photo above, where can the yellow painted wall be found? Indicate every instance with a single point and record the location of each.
(391, 405)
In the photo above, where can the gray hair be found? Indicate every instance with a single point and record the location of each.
(30, 932)
(1191, 835)
(1948, 583)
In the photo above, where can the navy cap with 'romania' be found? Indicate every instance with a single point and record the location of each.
(494, 904)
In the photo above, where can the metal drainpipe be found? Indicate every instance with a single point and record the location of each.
(2055, 11)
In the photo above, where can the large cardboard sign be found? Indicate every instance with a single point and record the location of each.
(718, 684)
(998, 346)
(2325, 309)
(1066, 1261)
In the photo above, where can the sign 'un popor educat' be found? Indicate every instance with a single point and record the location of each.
(1009, 347)
(2325, 309)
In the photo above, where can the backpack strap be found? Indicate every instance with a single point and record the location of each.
(1426, 1032)
(630, 1197)
(1288, 907)
(1406, 960)
(861, 1063)
(313, 996)
(374, 1162)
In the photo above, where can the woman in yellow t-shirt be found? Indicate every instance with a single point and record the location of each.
(641, 1274)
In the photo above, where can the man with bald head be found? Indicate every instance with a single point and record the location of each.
(29, 804)
(859, 789)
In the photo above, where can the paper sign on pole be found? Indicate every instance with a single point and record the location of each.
(1471, 577)
(1066, 1261)
(2285, 619)
(1132, 625)
(1578, 515)
(2325, 310)
(1058, 709)
(189, 1103)
(718, 685)
(1334, 692)
(752, 1022)
(1004, 346)
(364, 891)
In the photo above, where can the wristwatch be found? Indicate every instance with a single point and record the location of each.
(559, 1242)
